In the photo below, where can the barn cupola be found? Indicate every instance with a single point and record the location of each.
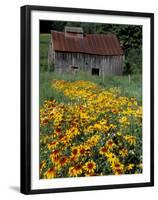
(76, 32)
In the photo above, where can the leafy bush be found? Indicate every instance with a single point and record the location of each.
(133, 62)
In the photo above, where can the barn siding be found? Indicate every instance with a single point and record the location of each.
(107, 65)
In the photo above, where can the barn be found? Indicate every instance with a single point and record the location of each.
(97, 54)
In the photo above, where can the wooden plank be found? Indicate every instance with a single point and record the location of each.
(107, 65)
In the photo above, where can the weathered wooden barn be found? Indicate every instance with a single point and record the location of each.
(72, 50)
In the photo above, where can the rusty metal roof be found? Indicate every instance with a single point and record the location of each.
(98, 44)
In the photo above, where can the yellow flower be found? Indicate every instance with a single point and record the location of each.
(97, 126)
(140, 166)
(119, 133)
(123, 152)
(93, 115)
(129, 166)
(111, 157)
(110, 144)
(93, 140)
(75, 171)
(50, 173)
(82, 150)
(130, 139)
(42, 165)
(89, 174)
(90, 166)
(52, 145)
(124, 121)
(63, 161)
(44, 121)
(103, 150)
(117, 167)
(55, 156)
(75, 151)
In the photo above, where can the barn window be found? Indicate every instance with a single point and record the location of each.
(95, 71)
(74, 67)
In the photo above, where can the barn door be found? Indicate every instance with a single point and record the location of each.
(95, 71)
(74, 67)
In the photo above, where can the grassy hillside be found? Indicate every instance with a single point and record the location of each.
(44, 43)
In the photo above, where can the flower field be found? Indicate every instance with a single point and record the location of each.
(97, 132)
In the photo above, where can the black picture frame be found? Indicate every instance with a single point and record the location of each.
(25, 183)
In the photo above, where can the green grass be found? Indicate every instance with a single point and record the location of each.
(129, 89)
(44, 43)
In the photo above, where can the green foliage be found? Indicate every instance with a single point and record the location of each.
(133, 62)
(51, 67)
(130, 36)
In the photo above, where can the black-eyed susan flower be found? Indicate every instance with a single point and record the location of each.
(90, 166)
(63, 160)
(111, 157)
(75, 151)
(130, 166)
(103, 150)
(123, 152)
(117, 167)
(43, 164)
(110, 144)
(94, 117)
(50, 173)
(130, 139)
(55, 156)
(97, 126)
(75, 170)
(124, 120)
(52, 145)
(82, 150)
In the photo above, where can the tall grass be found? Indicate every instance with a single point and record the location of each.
(132, 88)
(44, 43)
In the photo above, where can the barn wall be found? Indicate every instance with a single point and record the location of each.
(107, 65)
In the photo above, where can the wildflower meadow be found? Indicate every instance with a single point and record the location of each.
(91, 131)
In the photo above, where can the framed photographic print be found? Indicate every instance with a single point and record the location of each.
(87, 99)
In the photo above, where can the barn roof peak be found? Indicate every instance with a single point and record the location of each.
(72, 29)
